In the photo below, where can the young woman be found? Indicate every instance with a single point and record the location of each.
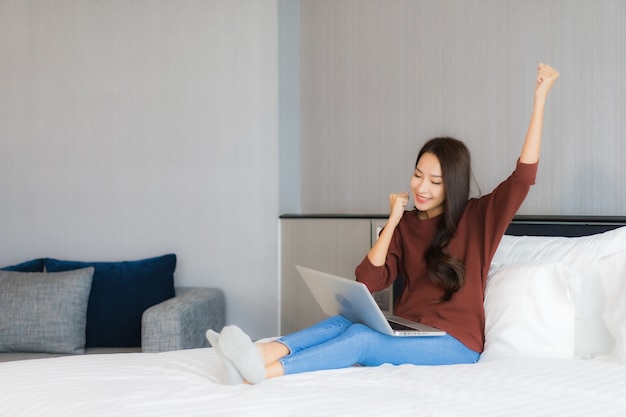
(442, 249)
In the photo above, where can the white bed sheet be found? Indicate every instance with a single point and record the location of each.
(182, 383)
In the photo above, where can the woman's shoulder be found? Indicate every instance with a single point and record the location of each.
(524, 174)
(504, 200)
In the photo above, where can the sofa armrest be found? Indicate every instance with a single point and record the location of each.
(181, 322)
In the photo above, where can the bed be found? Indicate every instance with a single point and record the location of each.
(555, 346)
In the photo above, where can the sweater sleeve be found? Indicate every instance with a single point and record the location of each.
(500, 206)
(377, 278)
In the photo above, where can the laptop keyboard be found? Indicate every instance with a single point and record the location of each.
(398, 326)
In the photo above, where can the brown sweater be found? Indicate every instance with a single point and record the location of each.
(479, 232)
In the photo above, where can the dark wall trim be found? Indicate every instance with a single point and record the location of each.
(533, 225)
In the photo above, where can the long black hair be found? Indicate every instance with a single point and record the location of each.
(446, 271)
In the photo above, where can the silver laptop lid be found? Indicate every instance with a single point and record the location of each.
(352, 299)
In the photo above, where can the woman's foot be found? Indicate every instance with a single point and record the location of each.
(243, 353)
(230, 375)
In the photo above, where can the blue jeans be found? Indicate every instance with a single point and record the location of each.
(338, 343)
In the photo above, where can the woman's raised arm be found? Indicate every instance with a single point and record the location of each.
(532, 144)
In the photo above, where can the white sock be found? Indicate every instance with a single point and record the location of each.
(230, 375)
(243, 353)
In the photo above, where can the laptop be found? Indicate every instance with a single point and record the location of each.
(352, 299)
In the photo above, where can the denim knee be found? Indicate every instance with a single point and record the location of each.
(318, 333)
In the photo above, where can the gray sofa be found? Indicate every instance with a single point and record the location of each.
(181, 322)
(174, 324)
(52, 307)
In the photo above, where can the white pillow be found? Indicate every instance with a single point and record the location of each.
(528, 311)
(613, 270)
(572, 251)
(592, 336)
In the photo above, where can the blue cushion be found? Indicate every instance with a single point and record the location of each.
(36, 265)
(120, 293)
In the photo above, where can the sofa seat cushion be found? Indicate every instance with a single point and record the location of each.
(44, 312)
(120, 293)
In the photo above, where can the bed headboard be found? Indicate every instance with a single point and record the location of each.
(569, 226)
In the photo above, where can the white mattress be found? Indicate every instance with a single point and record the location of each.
(182, 383)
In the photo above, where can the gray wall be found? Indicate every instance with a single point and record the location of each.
(379, 77)
(134, 128)
(290, 158)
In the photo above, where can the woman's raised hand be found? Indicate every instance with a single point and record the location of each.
(546, 76)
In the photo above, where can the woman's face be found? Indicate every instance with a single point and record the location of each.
(427, 186)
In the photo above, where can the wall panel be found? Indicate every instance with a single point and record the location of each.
(378, 78)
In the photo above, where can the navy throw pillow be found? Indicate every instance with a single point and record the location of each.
(35, 265)
(120, 293)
